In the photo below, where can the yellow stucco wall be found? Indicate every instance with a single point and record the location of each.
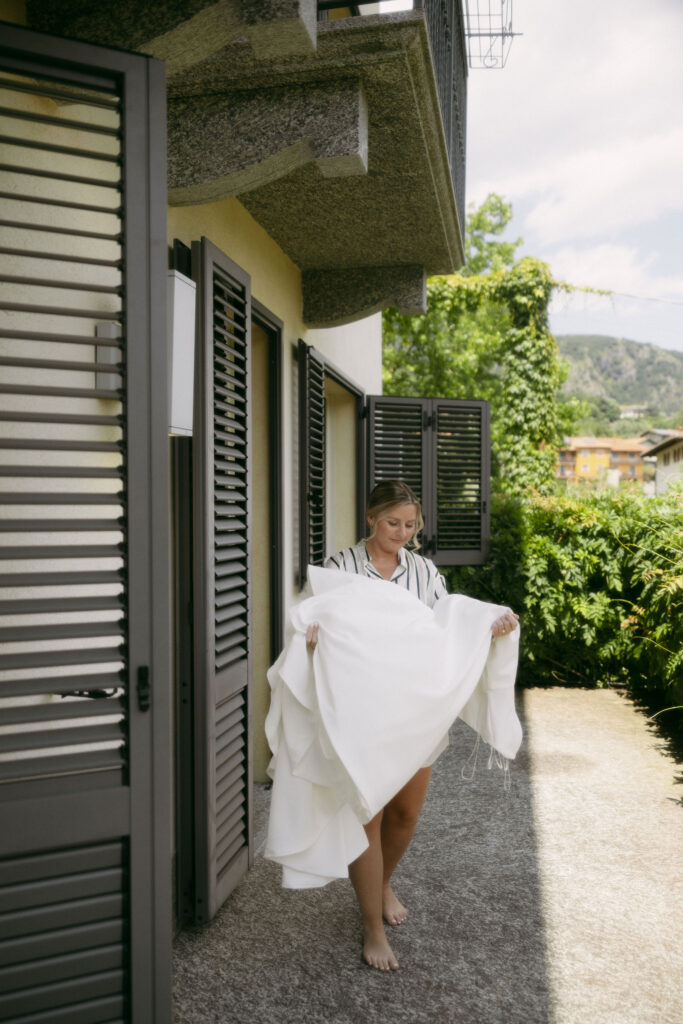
(588, 465)
(13, 11)
(276, 282)
(356, 350)
(595, 463)
(341, 466)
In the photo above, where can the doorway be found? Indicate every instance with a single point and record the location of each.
(267, 538)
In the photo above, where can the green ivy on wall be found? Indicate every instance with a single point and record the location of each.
(485, 335)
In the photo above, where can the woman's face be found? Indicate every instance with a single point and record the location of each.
(395, 528)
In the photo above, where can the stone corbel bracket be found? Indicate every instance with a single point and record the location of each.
(184, 34)
(229, 144)
(340, 296)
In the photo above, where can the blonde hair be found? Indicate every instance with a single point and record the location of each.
(387, 495)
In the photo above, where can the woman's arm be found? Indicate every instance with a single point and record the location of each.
(505, 623)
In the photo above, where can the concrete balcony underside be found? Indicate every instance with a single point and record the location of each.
(329, 133)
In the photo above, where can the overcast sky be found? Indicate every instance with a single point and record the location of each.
(583, 132)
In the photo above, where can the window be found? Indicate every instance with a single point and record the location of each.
(440, 447)
(344, 405)
(331, 459)
(312, 449)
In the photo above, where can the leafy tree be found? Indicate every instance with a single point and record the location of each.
(484, 248)
(485, 335)
(596, 415)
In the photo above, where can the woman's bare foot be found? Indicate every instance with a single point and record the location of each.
(394, 911)
(377, 952)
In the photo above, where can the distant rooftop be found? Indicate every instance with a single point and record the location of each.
(667, 442)
(615, 444)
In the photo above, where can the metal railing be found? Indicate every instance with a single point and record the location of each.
(446, 31)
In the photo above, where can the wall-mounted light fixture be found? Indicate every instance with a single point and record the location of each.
(181, 298)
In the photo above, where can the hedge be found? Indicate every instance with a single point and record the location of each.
(597, 581)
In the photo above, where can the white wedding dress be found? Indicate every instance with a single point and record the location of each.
(350, 724)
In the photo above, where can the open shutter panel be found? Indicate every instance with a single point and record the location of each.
(312, 455)
(397, 441)
(460, 445)
(222, 605)
(83, 510)
(440, 448)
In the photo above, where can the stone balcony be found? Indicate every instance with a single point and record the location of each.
(330, 133)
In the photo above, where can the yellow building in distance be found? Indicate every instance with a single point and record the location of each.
(608, 459)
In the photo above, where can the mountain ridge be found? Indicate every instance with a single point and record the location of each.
(625, 371)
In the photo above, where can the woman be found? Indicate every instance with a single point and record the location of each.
(391, 553)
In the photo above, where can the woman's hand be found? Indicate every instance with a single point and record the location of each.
(312, 636)
(506, 623)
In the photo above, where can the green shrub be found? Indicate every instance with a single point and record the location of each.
(597, 581)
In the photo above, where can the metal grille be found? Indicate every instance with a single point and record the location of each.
(458, 136)
(489, 32)
(64, 935)
(459, 477)
(230, 470)
(231, 780)
(447, 42)
(62, 438)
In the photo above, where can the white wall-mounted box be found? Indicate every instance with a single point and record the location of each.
(181, 298)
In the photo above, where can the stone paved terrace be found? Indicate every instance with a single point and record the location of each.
(558, 902)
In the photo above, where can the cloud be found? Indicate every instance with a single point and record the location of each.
(632, 277)
(618, 268)
(582, 126)
(605, 189)
(580, 74)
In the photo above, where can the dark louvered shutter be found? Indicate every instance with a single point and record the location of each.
(84, 753)
(312, 429)
(222, 620)
(460, 479)
(398, 441)
(441, 448)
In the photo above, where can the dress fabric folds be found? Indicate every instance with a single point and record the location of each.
(350, 724)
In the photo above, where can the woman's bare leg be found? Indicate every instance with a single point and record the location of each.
(366, 874)
(397, 829)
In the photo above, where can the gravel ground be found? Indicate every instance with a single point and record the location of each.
(556, 901)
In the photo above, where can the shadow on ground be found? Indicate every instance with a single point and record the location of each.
(664, 715)
(473, 950)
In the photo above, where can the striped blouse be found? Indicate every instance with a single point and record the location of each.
(416, 573)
